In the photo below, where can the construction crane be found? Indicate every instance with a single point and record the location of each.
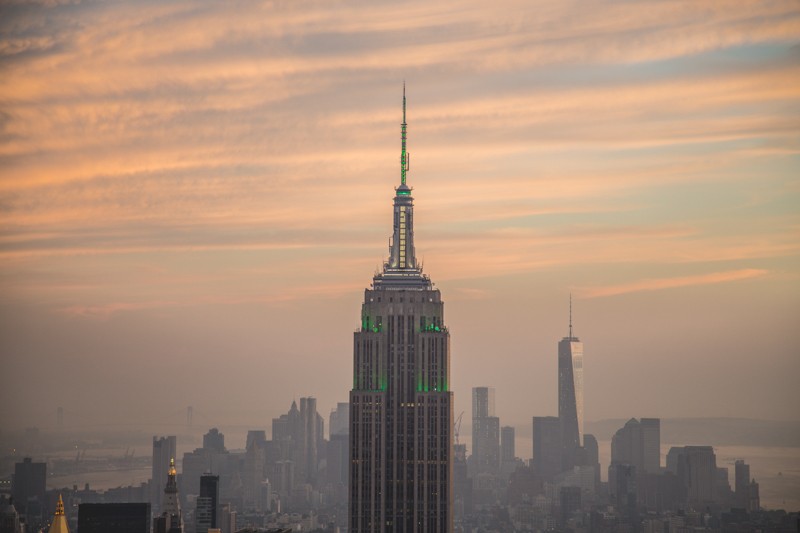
(457, 427)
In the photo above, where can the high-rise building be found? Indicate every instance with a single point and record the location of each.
(59, 524)
(637, 443)
(207, 503)
(485, 432)
(508, 452)
(298, 436)
(570, 394)
(339, 423)
(28, 488)
(401, 406)
(253, 472)
(696, 467)
(227, 519)
(9, 517)
(742, 483)
(546, 460)
(651, 444)
(212, 457)
(116, 517)
(164, 451)
(338, 449)
(214, 440)
(311, 434)
(171, 518)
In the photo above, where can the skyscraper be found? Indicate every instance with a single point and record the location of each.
(171, 518)
(651, 445)
(207, 503)
(401, 406)
(546, 460)
(570, 394)
(28, 488)
(164, 450)
(59, 524)
(508, 453)
(485, 432)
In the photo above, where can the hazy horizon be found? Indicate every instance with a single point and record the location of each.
(194, 196)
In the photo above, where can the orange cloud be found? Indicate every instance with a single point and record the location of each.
(670, 283)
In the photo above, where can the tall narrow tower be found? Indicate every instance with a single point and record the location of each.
(401, 407)
(570, 394)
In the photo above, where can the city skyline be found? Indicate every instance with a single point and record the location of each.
(188, 184)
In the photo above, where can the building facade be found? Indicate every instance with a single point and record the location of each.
(116, 517)
(171, 518)
(546, 461)
(570, 395)
(401, 406)
(207, 503)
(485, 432)
(164, 450)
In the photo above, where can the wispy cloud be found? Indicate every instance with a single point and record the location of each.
(669, 283)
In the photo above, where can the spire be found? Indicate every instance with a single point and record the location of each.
(570, 315)
(404, 156)
(401, 270)
(59, 524)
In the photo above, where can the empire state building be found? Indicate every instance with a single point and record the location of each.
(401, 406)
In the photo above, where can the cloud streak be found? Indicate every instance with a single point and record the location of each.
(670, 283)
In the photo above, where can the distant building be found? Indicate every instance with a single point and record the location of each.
(298, 436)
(116, 517)
(339, 423)
(338, 464)
(254, 469)
(462, 483)
(745, 489)
(591, 456)
(546, 460)
(638, 444)
(171, 518)
(212, 457)
(313, 435)
(207, 503)
(59, 524)
(227, 519)
(164, 450)
(696, 468)
(214, 441)
(651, 445)
(28, 489)
(570, 395)
(508, 451)
(9, 517)
(569, 502)
(485, 432)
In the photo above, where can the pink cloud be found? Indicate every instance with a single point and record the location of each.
(669, 283)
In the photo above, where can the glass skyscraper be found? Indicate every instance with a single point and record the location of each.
(570, 395)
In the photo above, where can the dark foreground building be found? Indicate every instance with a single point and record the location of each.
(116, 517)
(401, 414)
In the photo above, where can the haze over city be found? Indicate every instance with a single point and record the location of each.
(195, 196)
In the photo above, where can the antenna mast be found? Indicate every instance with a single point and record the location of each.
(570, 315)
(404, 156)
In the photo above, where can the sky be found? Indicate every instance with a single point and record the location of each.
(194, 195)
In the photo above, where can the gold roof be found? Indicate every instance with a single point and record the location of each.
(59, 524)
